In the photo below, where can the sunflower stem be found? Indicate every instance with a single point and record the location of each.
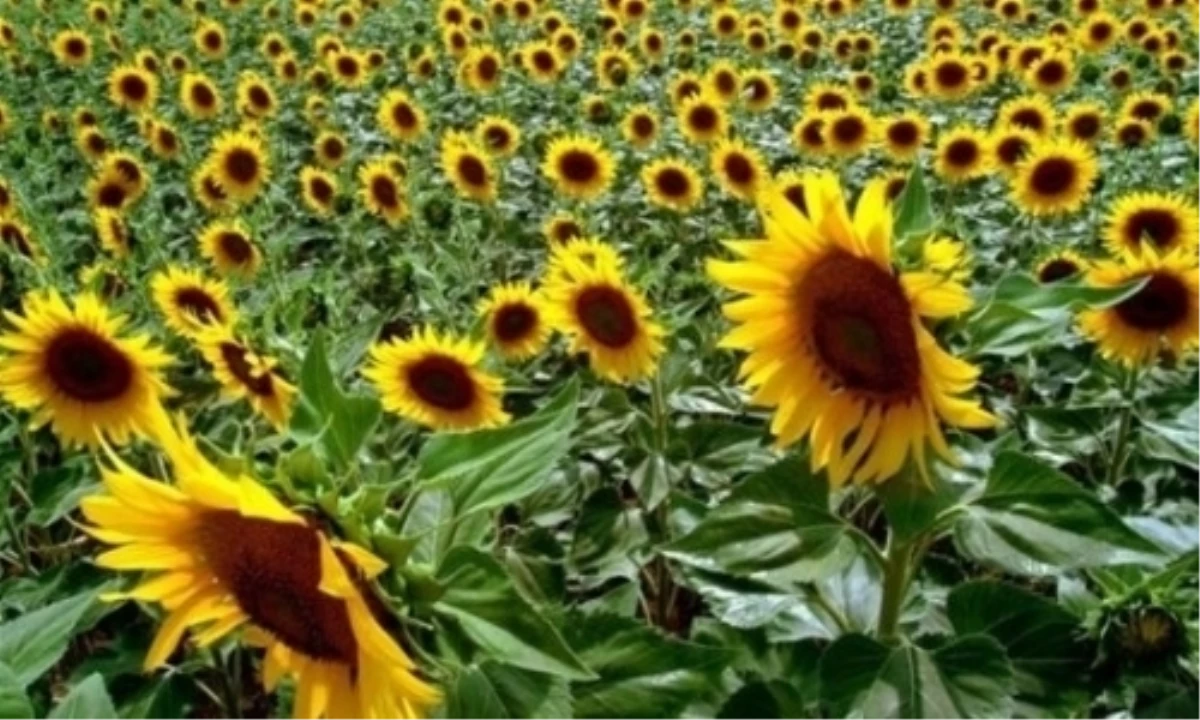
(1120, 450)
(897, 571)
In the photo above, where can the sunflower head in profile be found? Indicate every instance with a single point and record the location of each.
(640, 126)
(74, 369)
(672, 183)
(579, 167)
(1055, 177)
(318, 189)
(239, 165)
(499, 135)
(190, 302)
(400, 117)
(1163, 314)
(8, 198)
(246, 374)
(209, 193)
(73, 48)
(562, 227)
(962, 155)
(1164, 221)
(112, 231)
(515, 320)
(1032, 112)
(1060, 265)
(739, 168)
(16, 237)
(837, 339)
(228, 246)
(469, 167)
(904, 135)
(383, 191)
(604, 316)
(435, 381)
(225, 554)
(132, 88)
(702, 119)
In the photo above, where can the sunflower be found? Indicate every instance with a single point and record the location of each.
(74, 370)
(8, 199)
(1099, 32)
(468, 167)
(129, 170)
(808, 134)
(962, 154)
(383, 191)
(848, 132)
(255, 98)
(561, 227)
(436, 381)
(348, 68)
(950, 76)
(1131, 132)
(1084, 121)
(239, 165)
(1191, 126)
(318, 189)
(673, 184)
(112, 232)
(210, 40)
(190, 302)
(73, 48)
(1009, 146)
(227, 244)
(605, 317)
(1164, 221)
(542, 61)
(208, 191)
(1032, 112)
(1055, 177)
(199, 96)
(1148, 106)
(615, 67)
(640, 126)
(683, 86)
(109, 189)
(723, 82)
(164, 141)
(758, 91)
(1060, 265)
(132, 88)
(739, 168)
(946, 257)
(400, 117)
(1165, 312)
(482, 68)
(823, 97)
(515, 320)
(226, 554)
(499, 135)
(701, 119)
(904, 135)
(837, 338)
(245, 374)
(17, 238)
(580, 167)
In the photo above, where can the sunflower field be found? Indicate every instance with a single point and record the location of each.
(599, 358)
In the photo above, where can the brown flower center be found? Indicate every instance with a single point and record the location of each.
(111, 195)
(237, 360)
(795, 195)
(472, 170)
(134, 88)
(1057, 269)
(514, 322)
(1155, 224)
(579, 166)
(12, 236)
(831, 101)
(848, 130)
(321, 190)
(1053, 176)
(739, 169)
(1051, 72)
(606, 316)
(241, 164)
(861, 327)
(703, 118)
(962, 153)
(76, 47)
(199, 304)
(951, 75)
(1085, 127)
(1160, 305)
(443, 382)
(87, 367)
(236, 247)
(903, 134)
(672, 182)
(259, 97)
(384, 191)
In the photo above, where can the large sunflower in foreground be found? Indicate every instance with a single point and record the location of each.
(225, 554)
(1165, 221)
(244, 373)
(837, 340)
(1163, 313)
(73, 369)
(603, 315)
(436, 381)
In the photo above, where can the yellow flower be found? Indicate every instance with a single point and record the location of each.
(239, 164)
(132, 88)
(740, 169)
(227, 244)
(73, 48)
(904, 135)
(1055, 177)
(383, 191)
(962, 155)
(1032, 112)
(848, 132)
(436, 381)
(499, 135)
(110, 226)
(190, 302)
(1060, 265)
(469, 168)
(1164, 221)
(673, 183)
(579, 167)
(199, 96)
(515, 320)
(400, 117)
(701, 119)
(640, 126)
(318, 189)
(837, 340)
(245, 374)
(73, 368)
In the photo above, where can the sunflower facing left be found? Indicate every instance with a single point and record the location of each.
(74, 370)
(837, 339)
(226, 554)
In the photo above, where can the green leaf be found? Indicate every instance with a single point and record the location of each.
(914, 217)
(770, 699)
(341, 420)
(491, 468)
(493, 690)
(967, 677)
(88, 699)
(32, 643)
(56, 492)
(776, 527)
(1032, 520)
(641, 672)
(481, 597)
(14, 703)
(1042, 640)
(1175, 439)
(607, 537)
(652, 479)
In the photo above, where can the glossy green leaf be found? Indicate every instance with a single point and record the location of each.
(481, 597)
(493, 690)
(88, 699)
(1032, 520)
(967, 677)
(14, 703)
(913, 213)
(33, 642)
(341, 420)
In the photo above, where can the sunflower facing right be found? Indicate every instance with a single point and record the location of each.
(836, 336)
